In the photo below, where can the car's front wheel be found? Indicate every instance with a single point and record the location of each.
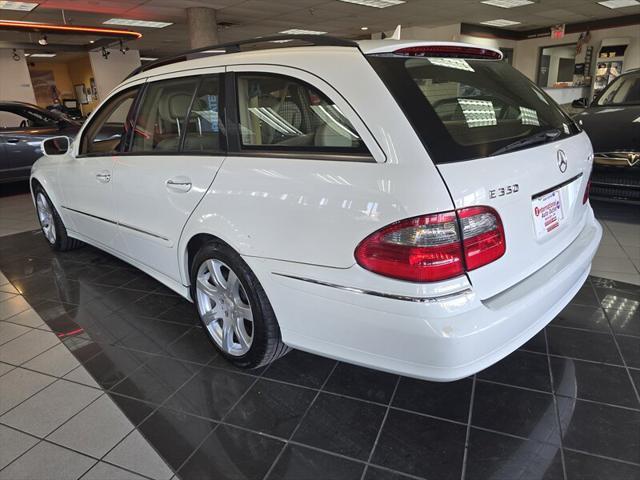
(234, 308)
(51, 224)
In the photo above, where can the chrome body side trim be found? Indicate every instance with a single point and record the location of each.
(392, 296)
(114, 222)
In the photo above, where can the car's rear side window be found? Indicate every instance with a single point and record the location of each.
(280, 113)
(465, 109)
(203, 128)
(162, 115)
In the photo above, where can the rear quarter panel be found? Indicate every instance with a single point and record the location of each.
(317, 211)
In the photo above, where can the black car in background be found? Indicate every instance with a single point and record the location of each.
(612, 121)
(22, 128)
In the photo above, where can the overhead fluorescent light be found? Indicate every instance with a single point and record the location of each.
(148, 59)
(299, 31)
(20, 6)
(376, 3)
(500, 22)
(619, 3)
(42, 55)
(136, 23)
(507, 3)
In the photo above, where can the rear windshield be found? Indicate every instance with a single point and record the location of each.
(466, 109)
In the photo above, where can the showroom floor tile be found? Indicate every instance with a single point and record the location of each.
(140, 393)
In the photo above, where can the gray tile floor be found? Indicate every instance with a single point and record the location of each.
(55, 420)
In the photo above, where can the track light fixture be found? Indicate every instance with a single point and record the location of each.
(16, 57)
(123, 49)
(43, 40)
(105, 53)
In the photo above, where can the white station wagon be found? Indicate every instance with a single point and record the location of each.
(415, 207)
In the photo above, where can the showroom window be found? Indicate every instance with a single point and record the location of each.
(162, 115)
(203, 130)
(281, 113)
(108, 128)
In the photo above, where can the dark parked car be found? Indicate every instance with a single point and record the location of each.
(612, 121)
(22, 128)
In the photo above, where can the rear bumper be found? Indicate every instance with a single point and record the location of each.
(442, 339)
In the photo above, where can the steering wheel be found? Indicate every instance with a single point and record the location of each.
(23, 124)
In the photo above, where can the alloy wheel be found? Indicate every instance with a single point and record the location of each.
(45, 215)
(224, 307)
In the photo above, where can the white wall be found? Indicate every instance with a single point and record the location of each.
(15, 81)
(111, 72)
(527, 51)
(448, 33)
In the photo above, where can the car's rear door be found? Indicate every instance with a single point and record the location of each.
(176, 149)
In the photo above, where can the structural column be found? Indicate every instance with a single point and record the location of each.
(203, 27)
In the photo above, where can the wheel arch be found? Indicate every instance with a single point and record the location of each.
(191, 247)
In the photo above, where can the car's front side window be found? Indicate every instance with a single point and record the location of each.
(277, 112)
(109, 126)
(625, 90)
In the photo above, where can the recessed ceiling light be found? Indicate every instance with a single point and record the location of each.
(148, 59)
(42, 55)
(619, 3)
(507, 3)
(92, 41)
(136, 23)
(500, 22)
(298, 31)
(364, 28)
(21, 6)
(376, 3)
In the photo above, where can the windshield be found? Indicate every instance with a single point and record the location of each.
(624, 91)
(465, 109)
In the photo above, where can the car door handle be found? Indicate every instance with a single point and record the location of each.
(179, 184)
(104, 177)
(13, 140)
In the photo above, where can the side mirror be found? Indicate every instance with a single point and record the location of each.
(56, 146)
(580, 103)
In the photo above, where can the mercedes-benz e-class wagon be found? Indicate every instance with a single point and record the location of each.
(414, 207)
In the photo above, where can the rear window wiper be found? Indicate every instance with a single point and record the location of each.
(540, 137)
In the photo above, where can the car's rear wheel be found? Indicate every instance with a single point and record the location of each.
(234, 308)
(51, 224)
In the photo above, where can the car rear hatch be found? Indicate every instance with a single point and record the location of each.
(498, 141)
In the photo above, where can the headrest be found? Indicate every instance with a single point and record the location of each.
(174, 106)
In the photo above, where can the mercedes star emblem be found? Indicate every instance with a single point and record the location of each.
(562, 161)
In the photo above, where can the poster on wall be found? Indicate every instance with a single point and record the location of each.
(81, 93)
(44, 87)
(93, 90)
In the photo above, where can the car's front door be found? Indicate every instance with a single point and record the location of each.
(87, 177)
(176, 150)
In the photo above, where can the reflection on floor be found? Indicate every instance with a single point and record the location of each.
(563, 406)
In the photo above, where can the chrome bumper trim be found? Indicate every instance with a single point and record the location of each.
(404, 298)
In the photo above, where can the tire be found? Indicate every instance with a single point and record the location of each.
(222, 303)
(51, 224)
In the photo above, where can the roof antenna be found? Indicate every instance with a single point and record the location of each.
(396, 33)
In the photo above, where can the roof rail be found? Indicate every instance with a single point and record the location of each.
(233, 47)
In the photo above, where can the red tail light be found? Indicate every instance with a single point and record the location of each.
(451, 51)
(586, 192)
(430, 248)
(482, 236)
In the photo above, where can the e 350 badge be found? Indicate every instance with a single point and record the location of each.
(503, 191)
